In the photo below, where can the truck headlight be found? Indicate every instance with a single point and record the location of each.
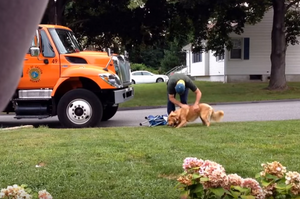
(111, 79)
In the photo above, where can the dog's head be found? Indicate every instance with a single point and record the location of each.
(173, 119)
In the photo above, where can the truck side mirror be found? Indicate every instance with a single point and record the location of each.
(34, 51)
(35, 48)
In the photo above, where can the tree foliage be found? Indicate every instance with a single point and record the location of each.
(152, 28)
(213, 21)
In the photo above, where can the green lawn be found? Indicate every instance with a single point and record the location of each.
(144, 162)
(138, 162)
(156, 94)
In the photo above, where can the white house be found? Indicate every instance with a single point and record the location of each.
(249, 60)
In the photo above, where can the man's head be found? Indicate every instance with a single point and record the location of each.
(180, 87)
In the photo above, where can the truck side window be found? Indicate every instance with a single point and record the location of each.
(47, 48)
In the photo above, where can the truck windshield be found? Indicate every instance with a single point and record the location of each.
(65, 41)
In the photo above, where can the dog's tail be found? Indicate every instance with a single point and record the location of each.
(217, 115)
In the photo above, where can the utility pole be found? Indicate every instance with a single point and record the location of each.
(55, 12)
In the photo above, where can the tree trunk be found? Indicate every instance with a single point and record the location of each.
(278, 53)
(54, 13)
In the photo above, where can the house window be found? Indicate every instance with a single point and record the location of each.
(197, 57)
(236, 51)
(220, 57)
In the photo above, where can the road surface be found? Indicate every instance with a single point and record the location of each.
(260, 111)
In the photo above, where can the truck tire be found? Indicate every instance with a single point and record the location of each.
(79, 108)
(109, 112)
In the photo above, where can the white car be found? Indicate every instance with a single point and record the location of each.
(143, 76)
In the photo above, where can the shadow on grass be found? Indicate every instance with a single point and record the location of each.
(35, 125)
(55, 124)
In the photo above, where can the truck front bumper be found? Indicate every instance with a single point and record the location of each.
(123, 95)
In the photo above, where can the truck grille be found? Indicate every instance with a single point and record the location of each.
(122, 67)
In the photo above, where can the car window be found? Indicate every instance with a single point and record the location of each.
(146, 73)
(137, 73)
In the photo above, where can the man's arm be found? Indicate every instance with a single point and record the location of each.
(198, 96)
(197, 101)
(190, 84)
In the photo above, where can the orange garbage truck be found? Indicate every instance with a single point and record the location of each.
(59, 78)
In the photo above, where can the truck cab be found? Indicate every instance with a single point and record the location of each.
(61, 79)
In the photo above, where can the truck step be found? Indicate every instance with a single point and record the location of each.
(31, 99)
(31, 116)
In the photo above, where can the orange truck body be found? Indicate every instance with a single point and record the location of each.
(61, 79)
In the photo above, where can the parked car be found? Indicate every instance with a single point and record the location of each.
(143, 76)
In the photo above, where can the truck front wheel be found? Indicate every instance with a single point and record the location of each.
(79, 108)
(109, 112)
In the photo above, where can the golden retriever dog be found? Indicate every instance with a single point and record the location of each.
(206, 113)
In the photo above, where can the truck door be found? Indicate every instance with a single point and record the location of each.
(42, 71)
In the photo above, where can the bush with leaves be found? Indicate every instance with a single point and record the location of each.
(22, 192)
(135, 66)
(206, 179)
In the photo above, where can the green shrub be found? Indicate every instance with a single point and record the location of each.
(136, 66)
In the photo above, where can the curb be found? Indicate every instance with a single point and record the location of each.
(212, 103)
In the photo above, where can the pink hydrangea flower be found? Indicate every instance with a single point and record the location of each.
(293, 178)
(232, 180)
(190, 162)
(43, 194)
(214, 172)
(256, 190)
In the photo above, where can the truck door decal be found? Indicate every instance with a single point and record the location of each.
(35, 73)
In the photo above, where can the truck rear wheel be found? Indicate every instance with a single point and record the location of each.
(79, 108)
(109, 112)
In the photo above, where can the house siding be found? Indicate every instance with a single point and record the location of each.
(260, 50)
(209, 66)
(293, 60)
(216, 67)
(198, 68)
(256, 51)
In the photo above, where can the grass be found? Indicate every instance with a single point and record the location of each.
(144, 162)
(138, 162)
(156, 94)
